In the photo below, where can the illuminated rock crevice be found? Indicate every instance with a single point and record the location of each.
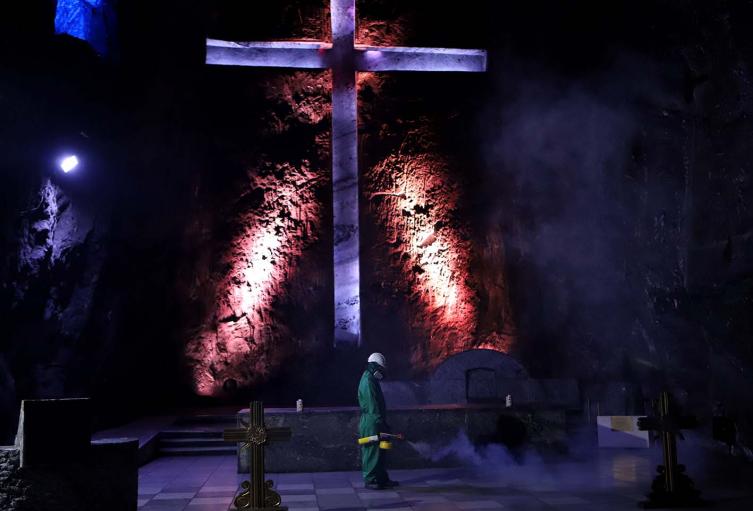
(430, 261)
(245, 338)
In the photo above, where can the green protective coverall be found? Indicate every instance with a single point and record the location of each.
(373, 422)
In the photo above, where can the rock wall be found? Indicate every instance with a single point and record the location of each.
(582, 205)
(109, 482)
(53, 266)
(244, 339)
(12, 490)
(416, 267)
(427, 262)
(621, 172)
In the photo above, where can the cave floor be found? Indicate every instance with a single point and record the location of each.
(605, 480)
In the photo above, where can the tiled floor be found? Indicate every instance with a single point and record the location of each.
(609, 480)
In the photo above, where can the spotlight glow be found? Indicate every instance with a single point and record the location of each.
(432, 254)
(68, 163)
(243, 337)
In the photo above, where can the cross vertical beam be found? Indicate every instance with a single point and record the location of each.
(347, 278)
(669, 445)
(672, 487)
(256, 416)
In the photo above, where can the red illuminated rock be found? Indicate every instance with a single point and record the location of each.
(427, 248)
(243, 340)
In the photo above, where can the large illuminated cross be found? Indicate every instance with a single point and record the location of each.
(345, 58)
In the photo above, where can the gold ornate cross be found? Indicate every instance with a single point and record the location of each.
(256, 493)
(672, 487)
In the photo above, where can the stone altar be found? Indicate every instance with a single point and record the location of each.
(324, 439)
(465, 395)
(483, 376)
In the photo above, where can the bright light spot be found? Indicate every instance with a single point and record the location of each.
(247, 342)
(260, 271)
(68, 163)
(438, 256)
(445, 306)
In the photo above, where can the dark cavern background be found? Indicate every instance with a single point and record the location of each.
(585, 205)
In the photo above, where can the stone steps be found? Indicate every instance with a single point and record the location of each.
(197, 420)
(193, 443)
(199, 435)
(197, 451)
(176, 442)
(193, 433)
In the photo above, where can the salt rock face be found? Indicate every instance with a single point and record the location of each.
(301, 98)
(428, 258)
(242, 340)
(7, 397)
(245, 338)
(49, 233)
(51, 275)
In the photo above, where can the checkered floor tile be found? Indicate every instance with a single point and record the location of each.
(210, 484)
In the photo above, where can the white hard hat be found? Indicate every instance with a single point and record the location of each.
(378, 358)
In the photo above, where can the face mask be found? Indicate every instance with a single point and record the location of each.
(378, 375)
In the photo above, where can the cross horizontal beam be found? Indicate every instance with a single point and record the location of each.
(234, 435)
(406, 58)
(319, 55)
(294, 54)
(241, 435)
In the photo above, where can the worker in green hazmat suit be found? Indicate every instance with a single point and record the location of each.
(373, 422)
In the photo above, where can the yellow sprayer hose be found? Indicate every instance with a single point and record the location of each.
(383, 444)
